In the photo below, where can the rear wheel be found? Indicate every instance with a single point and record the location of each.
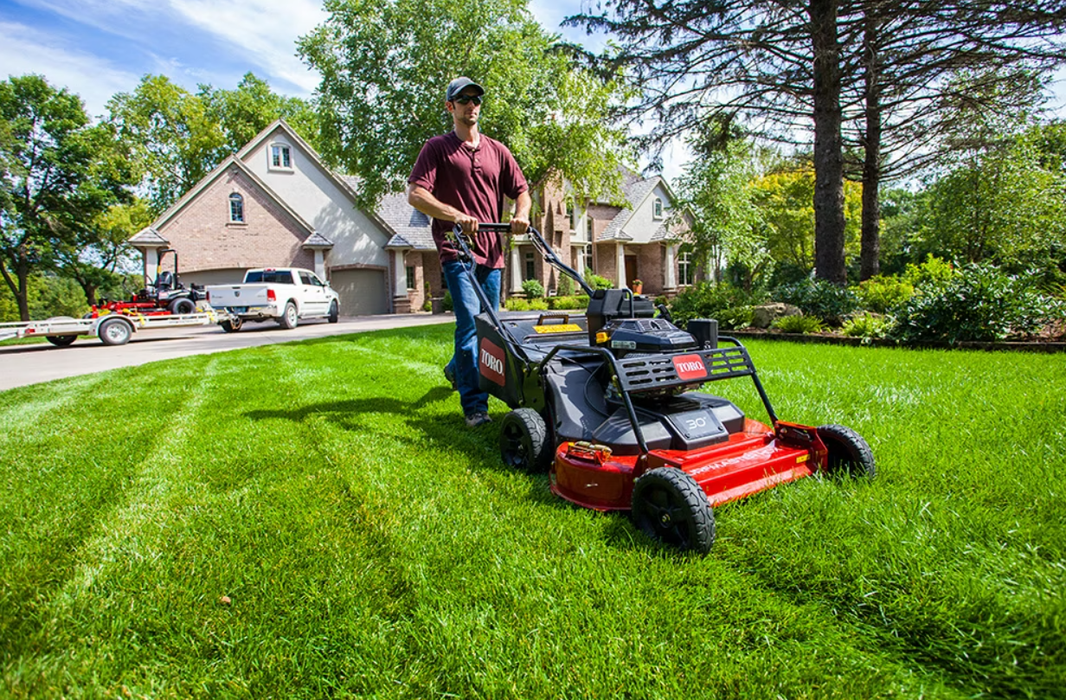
(114, 331)
(182, 306)
(524, 441)
(670, 506)
(61, 341)
(848, 451)
(334, 313)
(289, 318)
(232, 326)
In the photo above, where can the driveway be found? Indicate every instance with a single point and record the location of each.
(21, 365)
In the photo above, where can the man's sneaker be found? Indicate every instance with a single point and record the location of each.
(476, 419)
(450, 377)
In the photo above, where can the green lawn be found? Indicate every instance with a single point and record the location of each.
(372, 546)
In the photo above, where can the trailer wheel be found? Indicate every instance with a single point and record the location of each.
(334, 312)
(523, 440)
(670, 506)
(182, 306)
(114, 331)
(848, 451)
(61, 341)
(289, 318)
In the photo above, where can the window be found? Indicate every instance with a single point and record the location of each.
(236, 208)
(588, 227)
(570, 213)
(657, 209)
(269, 277)
(584, 259)
(686, 269)
(531, 267)
(410, 277)
(280, 156)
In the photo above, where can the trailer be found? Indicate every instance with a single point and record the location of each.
(111, 329)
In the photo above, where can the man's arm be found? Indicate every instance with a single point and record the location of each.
(423, 200)
(520, 220)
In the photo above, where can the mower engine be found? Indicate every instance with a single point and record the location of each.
(624, 323)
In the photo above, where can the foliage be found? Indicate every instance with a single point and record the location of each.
(57, 174)
(819, 298)
(798, 324)
(446, 303)
(980, 303)
(49, 295)
(245, 111)
(520, 304)
(735, 317)
(596, 282)
(565, 286)
(533, 289)
(395, 58)
(707, 300)
(569, 302)
(869, 326)
(882, 293)
(933, 273)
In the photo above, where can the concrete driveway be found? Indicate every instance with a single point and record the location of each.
(21, 365)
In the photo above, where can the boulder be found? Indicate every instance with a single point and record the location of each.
(763, 316)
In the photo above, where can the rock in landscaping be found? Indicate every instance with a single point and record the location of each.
(764, 316)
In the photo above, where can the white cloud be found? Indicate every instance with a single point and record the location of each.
(95, 80)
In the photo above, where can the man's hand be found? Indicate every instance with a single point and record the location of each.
(469, 223)
(519, 225)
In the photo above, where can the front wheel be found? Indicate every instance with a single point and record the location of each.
(289, 318)
(524, 441)
(114, 331)
(670, 506)
(848, 451)
(334, 312)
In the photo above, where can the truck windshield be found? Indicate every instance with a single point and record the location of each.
(268, 277)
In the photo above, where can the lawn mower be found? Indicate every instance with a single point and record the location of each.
(608, 403)
(165, 296)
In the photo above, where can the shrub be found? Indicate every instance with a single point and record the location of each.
(798, 324)
(881, 294)
(566, 303)
(979, 302)
(446, 303)
(596, 282)
(565, 287)
(869, 326)
(932, 273)
(819, 298)
(735, 318)
(516, 304)
(538, 305)
(707, 300)
(533, 289)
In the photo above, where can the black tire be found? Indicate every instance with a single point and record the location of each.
(231, 326)
(334, 312)
(114, 331)
(524, 441)
(848, 451)
(289, 317)
(670, 506)
(182, 306)
(61, 341)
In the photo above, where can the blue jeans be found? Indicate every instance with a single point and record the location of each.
(466, 306)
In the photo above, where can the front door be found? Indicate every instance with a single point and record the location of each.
(631, 270)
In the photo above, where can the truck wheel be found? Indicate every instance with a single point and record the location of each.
(114, 331)
(848, 451)
(182, 306)
(61, 341)
(670, 506)
(289, 318)
(232, 326)
(334, 313)
(523, 440)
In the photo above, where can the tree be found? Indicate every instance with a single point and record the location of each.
(385, 65)
(245, 111)
(56, 172)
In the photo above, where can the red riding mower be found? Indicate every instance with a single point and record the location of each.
(165, 296)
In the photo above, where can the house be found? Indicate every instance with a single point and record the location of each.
(275, 204)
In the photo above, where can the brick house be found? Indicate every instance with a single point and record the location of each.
(275, 204)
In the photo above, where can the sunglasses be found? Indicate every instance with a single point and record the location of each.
(467, 99)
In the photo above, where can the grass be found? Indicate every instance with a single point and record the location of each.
(371, 546)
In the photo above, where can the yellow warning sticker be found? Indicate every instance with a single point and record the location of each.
(558, 328)
(802, 458)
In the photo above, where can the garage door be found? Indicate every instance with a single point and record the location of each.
(362, 292)
(206, 277)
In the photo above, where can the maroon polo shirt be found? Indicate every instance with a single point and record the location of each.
(474, 181)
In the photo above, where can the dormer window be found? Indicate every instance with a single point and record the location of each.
(657, 209)
(280, 156)
(236, 208)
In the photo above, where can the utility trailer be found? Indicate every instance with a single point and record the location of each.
(111, 329)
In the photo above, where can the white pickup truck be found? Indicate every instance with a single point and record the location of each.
(285, 295)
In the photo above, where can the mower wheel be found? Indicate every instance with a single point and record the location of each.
(182, 306)
(61, 341)
(670, 506)
(289, 318)
(848, 451)
(334, 313)
(524, 441)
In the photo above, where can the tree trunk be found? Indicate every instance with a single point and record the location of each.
(19, 286)
(828, 150)
(870, 257)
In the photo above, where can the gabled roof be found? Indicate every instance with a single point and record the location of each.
(317, 240)
(637, 191)
(210, 178)
(149, 238)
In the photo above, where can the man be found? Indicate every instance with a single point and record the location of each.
(462, 178)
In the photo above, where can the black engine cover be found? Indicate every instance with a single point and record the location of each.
(647, 335)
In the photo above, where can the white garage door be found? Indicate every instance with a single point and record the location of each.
(362, 292)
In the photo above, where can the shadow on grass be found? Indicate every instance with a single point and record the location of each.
(445, 434)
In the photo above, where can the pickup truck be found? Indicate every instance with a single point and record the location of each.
(285, 295)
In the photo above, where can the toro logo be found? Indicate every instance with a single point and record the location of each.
(491, 362)
(690, 367)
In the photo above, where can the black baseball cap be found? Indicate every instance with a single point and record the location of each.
(458, 85)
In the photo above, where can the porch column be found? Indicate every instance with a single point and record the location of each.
(320, 263)
(516, 269)
(151, 262)
(670, 279)
(621, 265)
(399, 274)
